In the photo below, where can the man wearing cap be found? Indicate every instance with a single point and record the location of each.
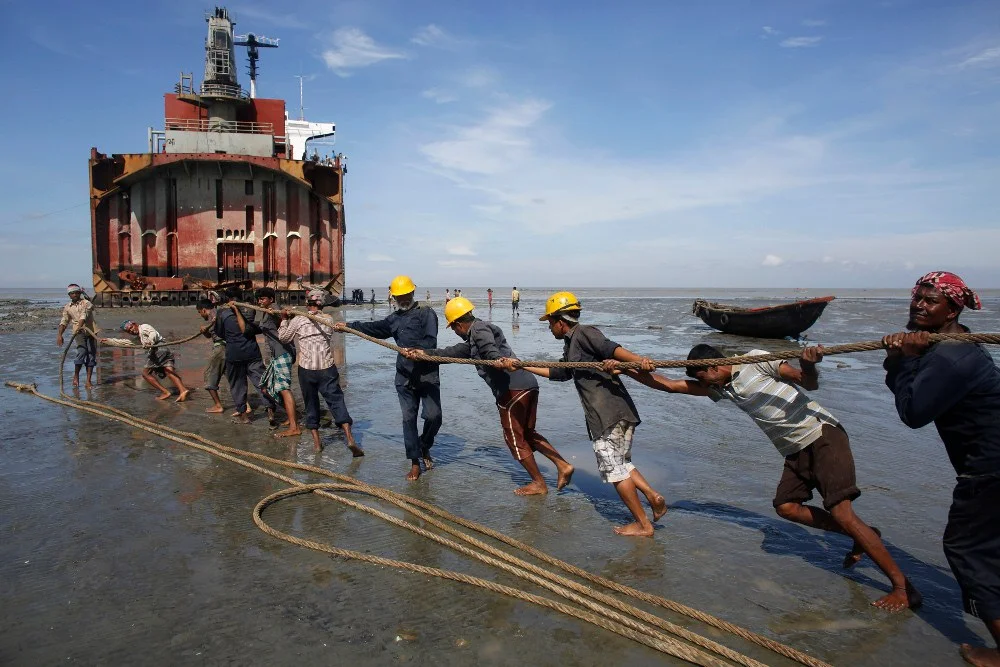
(417, 382)
(610, 413)
(956, 385)
(79, 313)
(159, 358)
(243, 358)
(318, 374)
(516, 392)
(277, 378)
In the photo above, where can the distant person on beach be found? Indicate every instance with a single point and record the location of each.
(489, 296)
(516, 392)
(447, 296)
(277, 378)
(79, 313)
(956, 385)
(417, 383)
(159, 359)
(373, 297)
(215, 367)
(318, 374)
(427, 297)
(815, 446)
(610, 413)
(515, 300)
(243, 358)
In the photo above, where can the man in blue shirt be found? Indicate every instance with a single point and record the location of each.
(417, 382)
(957, 386)
(243, 358)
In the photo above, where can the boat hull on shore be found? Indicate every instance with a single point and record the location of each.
(789, 319)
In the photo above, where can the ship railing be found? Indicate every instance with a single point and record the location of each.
(208, 125)
(224, 90)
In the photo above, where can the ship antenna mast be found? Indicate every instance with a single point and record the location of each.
(254, 42)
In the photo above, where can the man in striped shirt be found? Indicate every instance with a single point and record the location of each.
(318, 373)
(815, 446)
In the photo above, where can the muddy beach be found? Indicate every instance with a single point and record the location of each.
(116, 545)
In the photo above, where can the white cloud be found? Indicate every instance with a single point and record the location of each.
(432, 35)
(479, 77)
(491, 146)
(352, 48)
(985, 58)
(376, 257)
(768, 31)
(814, 23)
(438, 95)
(800, 42)
(462, 250)
(772, 260)
(461, 264)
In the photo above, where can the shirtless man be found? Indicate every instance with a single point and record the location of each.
(215, 367)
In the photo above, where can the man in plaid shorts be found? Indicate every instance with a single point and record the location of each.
(277, 378)
(610, 412)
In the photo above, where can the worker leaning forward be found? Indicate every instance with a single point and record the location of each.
(79, 313)
(516, 392)
(611, 415)
(417, 382)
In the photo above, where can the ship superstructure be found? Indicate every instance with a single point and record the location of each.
(226, 194)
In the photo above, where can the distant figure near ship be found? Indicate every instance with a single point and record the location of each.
(515, 301)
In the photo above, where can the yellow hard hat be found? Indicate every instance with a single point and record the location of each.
(559, 302)
(457, 307)
(401, 285)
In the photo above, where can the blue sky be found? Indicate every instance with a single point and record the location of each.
(787, 143)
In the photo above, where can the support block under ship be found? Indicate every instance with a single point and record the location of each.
(226, 195)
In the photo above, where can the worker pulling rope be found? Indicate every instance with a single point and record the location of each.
(598, 608)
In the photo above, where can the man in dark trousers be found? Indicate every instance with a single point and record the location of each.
(516, 392)
(956, 385)
(243, 358)
(417, 382)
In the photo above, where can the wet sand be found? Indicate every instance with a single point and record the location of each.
(119, 547)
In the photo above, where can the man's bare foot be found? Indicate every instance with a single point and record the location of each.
(900, 599)
(659, 506)
(980, 655)
(428, 461)
(532, 489)
(635, 529)
(164, 396)
(356, 451)
(215, 409)
(88, 384)
(76, 382)
(414, 473)
(244, 418)
(183, 396)
(857, 552)
(565, 475)
(236, 414)
(288, 433)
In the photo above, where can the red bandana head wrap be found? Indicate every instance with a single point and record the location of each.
(953, 288)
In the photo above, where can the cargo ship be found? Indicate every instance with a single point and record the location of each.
(231, 192)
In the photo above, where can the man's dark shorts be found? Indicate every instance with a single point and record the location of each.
(826, 465)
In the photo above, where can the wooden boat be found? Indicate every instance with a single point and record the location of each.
(789, 319)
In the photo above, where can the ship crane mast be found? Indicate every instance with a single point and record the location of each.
(254, 42)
